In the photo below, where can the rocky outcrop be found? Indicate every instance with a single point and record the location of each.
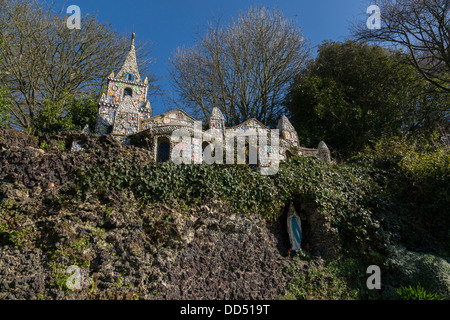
(14, 138)
(22, 162)
(226, 256)
(158, 253)
(22, 275)
(322, 236)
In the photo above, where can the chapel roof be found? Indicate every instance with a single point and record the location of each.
(130, 64)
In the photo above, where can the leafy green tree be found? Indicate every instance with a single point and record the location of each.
(42, 59)
(353, 94)
(54, 117)
(51, 118)
(83, 111)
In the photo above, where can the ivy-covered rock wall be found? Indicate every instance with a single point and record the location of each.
(130, 228)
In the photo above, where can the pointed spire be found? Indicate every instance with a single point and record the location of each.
(111, 75)
(323, 152)
(130, 65)
(287, 130)
(285, 125)
(216, 114)
(216, 120)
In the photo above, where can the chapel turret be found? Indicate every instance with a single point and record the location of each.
(124, 109)
(216, 119)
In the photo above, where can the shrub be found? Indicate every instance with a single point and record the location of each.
(414, 176)
(417, 293)
(430, 271)
(318, 282)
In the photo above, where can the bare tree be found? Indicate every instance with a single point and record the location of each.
(42, 58)
(422, 29)
(243, 68)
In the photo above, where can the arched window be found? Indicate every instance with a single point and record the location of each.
(129, 77)
(127, 92)
(163, 150)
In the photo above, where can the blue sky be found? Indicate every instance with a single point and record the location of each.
(172, 23)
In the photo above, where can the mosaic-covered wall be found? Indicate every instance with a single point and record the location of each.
(116, 92)
(124, 111)
(126, 123)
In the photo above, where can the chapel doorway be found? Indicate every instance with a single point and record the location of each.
(163, 150)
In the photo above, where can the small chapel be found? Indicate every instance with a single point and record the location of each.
(125, 113)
